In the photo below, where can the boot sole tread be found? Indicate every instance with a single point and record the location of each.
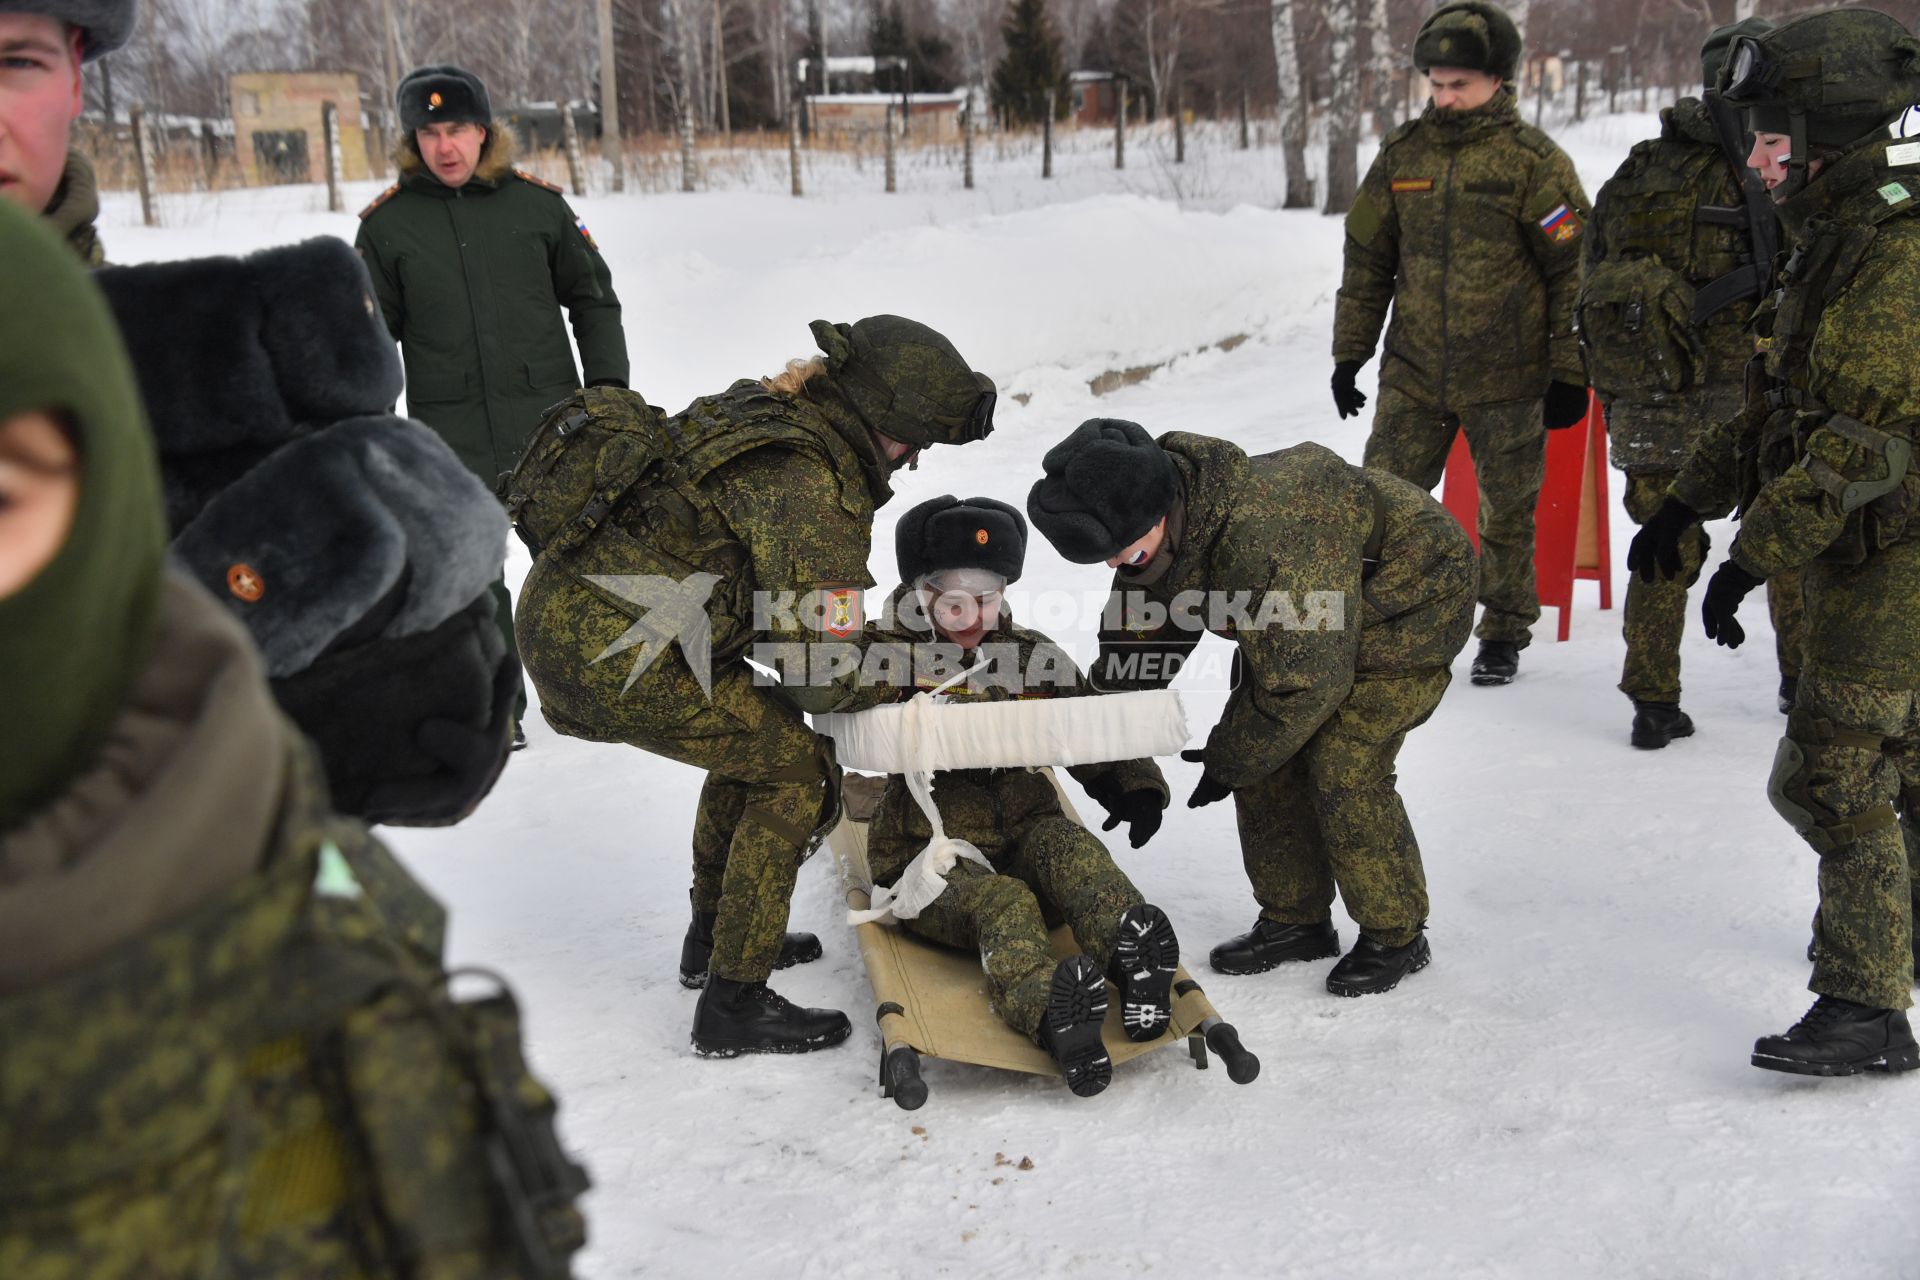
(1891, 1062)
(1146, 957)
(1076, 1010)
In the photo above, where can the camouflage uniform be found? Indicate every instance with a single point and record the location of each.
(1310, 733)
(1468, 225)
(1051, 869)
(76, 204)
(785, 510)
(1678, 200)
(1812, 465)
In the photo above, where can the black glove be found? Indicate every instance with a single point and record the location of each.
(1140, 809)
(412, 731)
(1655, 550)
(1347, 398)
(1210, 788)
(1725, 590)
(1565, 407)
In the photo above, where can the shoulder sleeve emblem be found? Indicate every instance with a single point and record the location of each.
(581, 224)
(1561, 225)
(1363, 219)
(381, 199)
(537, 181)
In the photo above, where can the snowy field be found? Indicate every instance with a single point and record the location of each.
(1565, 1092)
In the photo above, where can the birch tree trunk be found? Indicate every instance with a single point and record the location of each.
(1385, 67)
(1345, 23)
(1293, 109)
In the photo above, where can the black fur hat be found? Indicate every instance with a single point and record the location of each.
(1105, 486)
(430, 95)
(960, 533)
(1472, 34)
(105, 24)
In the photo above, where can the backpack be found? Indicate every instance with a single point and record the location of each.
(1636, 328)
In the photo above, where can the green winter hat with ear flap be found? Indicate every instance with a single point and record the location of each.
(906, 381)
(73, 639)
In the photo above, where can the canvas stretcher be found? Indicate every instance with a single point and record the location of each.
(931, 1001)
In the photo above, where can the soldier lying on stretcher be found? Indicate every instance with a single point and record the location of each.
(955, 559)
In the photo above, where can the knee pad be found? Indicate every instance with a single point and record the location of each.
(1790, 785)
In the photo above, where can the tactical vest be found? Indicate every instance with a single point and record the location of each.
(612, 486)
(280, 1084)
(1878, 507)
(1673, 262)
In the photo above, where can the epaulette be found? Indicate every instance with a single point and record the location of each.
(1400, 132)
(524, 176)
(1536, 140)
(381, 199)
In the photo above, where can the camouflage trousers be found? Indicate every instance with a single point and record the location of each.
(1055, 872)
(771, 781)
(1859, 783)
(1332, 818)
(1509, 446)
(1787, 606)
(1655, 618)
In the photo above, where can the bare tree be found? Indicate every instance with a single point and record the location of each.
(1345, 19)
(1293, 105)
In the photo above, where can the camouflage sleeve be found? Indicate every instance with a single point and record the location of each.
(808, 558)
(1709, 479)
(1293, 680)
(386, 286)
(1864, 370)
(1372, 261)
(1594, 243)
(584, 286)
(1134, 656)
(1556, 215)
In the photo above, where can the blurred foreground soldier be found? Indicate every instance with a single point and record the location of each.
(1819, 466)
(352, 544)
(670, 550)
(472, 262)
(1679, 254)
(956, 558)
(1468, 225)
(42, 46)
(1348, 593)
(226, 1043)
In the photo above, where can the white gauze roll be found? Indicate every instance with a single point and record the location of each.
(925, 736)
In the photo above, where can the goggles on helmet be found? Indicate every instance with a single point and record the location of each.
(1750, 72)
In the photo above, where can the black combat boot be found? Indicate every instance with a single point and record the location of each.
(1497, 662)
(1789, 690)
(697, 948)
(1270, 944)
(1076, 1010)
(733, 1018)
(1144, 961)
(1841, 1038)
(1655, 724)
(1373, 967)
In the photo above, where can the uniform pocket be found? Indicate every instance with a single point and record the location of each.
(556, 372)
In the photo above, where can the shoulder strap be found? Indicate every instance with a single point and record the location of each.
(380, 199)
(538, 181)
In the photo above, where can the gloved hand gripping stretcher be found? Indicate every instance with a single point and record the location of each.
(932, 1000)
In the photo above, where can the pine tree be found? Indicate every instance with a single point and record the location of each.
(1032, 65)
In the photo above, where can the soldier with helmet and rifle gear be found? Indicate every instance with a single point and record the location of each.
(1818, 464)
(668, 551)
(1679, 254)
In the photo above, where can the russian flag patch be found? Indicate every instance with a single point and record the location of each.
(1561, 225)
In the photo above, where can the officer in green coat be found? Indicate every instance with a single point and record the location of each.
(1468, 226)
(1347, 593)
(472, 262)
(1819, 466)
(226, 1044)
(741, 532)
(1678, 256)
(956, 557)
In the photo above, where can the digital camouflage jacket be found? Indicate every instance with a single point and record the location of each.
(1343, 573)
(1469, 226)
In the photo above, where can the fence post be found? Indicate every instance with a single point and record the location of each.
(1046, 139)
(570, 141)
(686, 142)
(1245, 140)
(1580, 93)
(793, 143)
(966, 142)
(210, 152)
(143, 162)
(330, 132)
(1179, 130)
(887, 128)
(1119, 123)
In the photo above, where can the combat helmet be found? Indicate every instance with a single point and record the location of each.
(105, 25)
(1713, 54)
(1472, 34)
(1826, 80)
(906, 381)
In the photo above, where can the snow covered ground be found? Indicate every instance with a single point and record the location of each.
(1565, 1092)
